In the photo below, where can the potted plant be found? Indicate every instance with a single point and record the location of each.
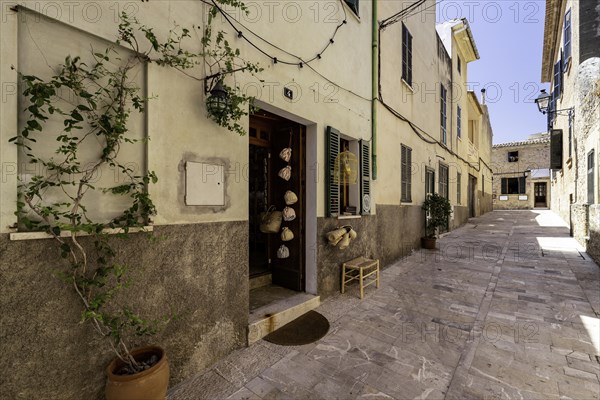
(89, 103)
(81, 118)
(437, 211)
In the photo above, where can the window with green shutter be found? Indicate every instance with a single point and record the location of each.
(365, 177)
(333, 191)
(406, 174)
(347, 198)
(406, 55)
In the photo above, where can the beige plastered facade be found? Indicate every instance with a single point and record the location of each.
(433, 64)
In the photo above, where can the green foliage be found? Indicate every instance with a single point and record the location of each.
(219, 55)
(438, 210)
(102, 97)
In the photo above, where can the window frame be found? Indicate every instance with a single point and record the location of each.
(429, 181)
(512, 157)
(567, 37)
(458, 188)
(360, 197)
(521, 185)
(405, 174)
(407, 70)
(591, 176)
(458, 121)
(443, 114)
(443, 181)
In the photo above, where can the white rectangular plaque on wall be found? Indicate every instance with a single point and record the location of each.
(523, 197)
(204, 184)
(503, 198)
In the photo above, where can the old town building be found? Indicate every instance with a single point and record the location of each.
(522, 173)
(389, 103)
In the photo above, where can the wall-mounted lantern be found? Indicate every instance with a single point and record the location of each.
(542, 101)
(217, 102)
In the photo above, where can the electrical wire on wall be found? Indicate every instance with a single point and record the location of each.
(301, 62)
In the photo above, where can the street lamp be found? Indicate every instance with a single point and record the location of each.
(542, 101)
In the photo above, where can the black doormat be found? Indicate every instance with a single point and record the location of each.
(305, 329)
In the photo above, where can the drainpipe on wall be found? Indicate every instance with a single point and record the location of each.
(374, 86)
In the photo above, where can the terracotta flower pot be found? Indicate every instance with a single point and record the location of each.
(428, 243)
(150, 384)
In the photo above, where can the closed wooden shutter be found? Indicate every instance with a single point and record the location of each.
(332, 149)
(556, 149)
(405, 172)
(522, 184)
(365, 177)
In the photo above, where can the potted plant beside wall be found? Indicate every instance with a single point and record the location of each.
(437, 211)
(75, 126)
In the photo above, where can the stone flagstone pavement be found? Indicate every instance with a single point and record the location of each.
(507, 308)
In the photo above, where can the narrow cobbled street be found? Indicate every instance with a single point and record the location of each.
(507, 307)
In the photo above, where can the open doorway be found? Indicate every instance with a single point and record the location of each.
(269, 134)
(540, 193)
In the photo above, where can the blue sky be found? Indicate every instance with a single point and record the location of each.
(508, 35)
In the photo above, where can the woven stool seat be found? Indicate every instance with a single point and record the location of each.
(364, 270)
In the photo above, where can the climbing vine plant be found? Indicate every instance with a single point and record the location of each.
(94, 102)
(223, 60)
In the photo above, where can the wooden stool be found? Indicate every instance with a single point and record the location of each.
(359, 269)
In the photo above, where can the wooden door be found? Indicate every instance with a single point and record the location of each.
(471, 187)
(289, 272)
(259, 177)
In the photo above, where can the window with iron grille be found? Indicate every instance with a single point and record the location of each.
(406, 55)
(406, 172)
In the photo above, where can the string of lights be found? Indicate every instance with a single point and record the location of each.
(301, 62)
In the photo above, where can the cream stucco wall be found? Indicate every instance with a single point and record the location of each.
(176, 118)
(421, 105)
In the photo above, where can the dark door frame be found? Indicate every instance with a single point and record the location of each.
(537, 188)
(283, 274)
